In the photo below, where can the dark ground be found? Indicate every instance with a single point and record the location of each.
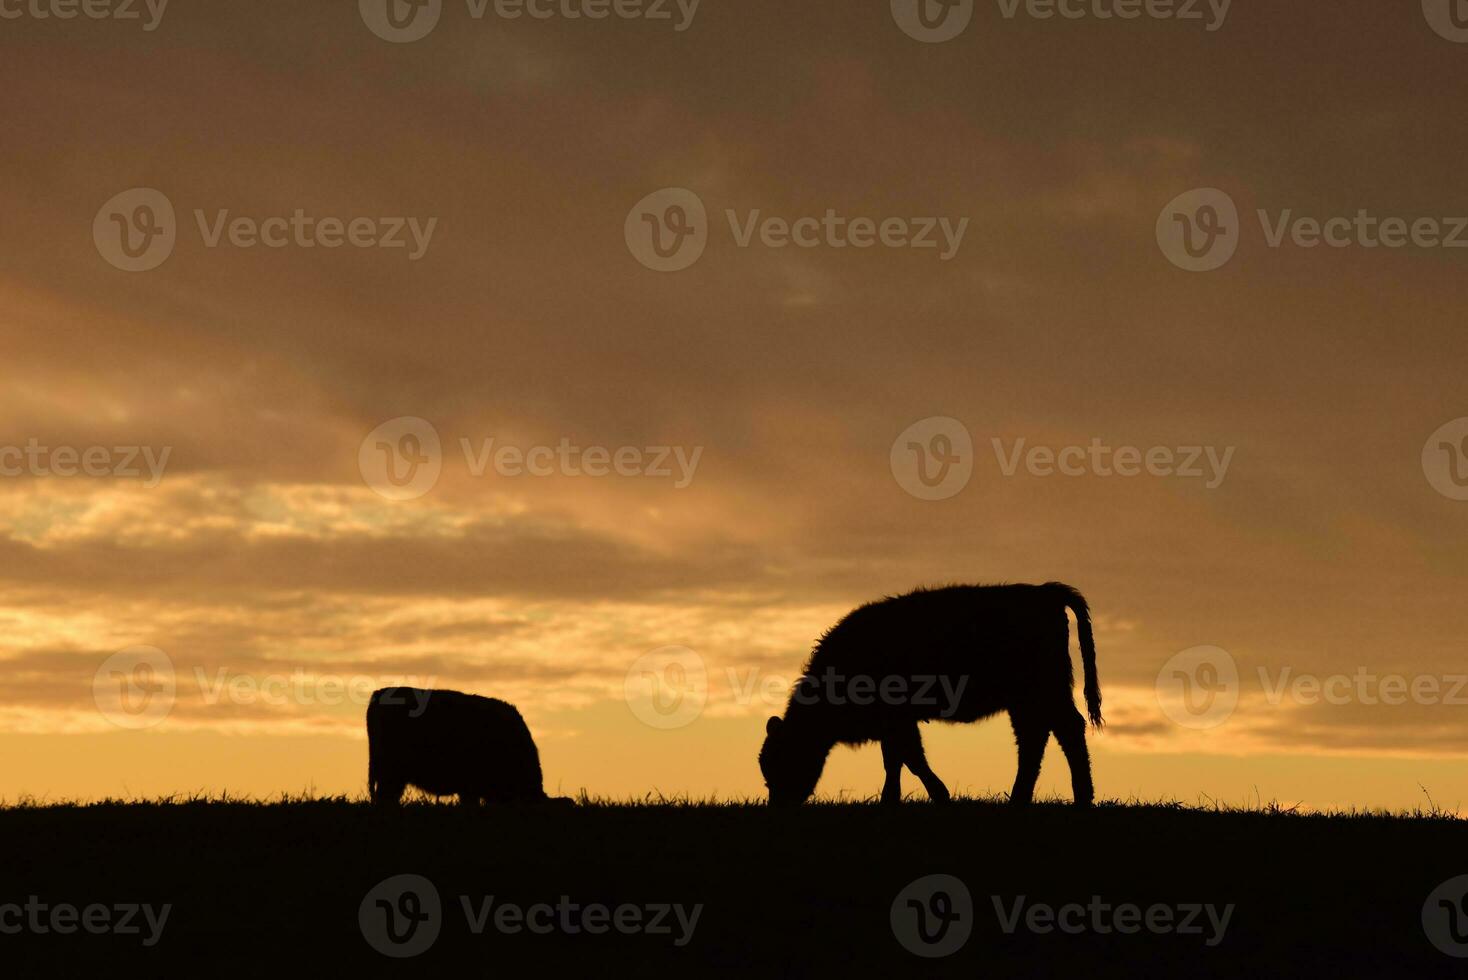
(276, 889)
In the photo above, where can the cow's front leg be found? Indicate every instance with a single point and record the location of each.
(917, 761)
(892, 762)
(937, 792)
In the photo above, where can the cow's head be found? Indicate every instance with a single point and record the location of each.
(791, 763)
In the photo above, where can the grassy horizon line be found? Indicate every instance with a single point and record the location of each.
(1205, 805)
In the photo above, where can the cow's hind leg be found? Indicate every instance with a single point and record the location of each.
(1070, 732)
(1030, 735)
(892, 765)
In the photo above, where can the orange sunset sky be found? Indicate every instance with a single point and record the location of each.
(267, 550)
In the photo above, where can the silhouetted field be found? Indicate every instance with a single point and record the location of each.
(263, 888)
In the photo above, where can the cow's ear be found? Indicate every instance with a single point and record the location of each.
(773, 725)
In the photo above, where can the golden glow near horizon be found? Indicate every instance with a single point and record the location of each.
(513, 457)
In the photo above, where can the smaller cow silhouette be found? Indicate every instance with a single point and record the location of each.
(955, 654)
(449, 744)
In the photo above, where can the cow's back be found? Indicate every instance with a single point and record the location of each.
(981, 640)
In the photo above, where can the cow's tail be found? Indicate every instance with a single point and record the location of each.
(1077, 604)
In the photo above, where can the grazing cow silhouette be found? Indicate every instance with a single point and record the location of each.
(953, 654)
(447, 743)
